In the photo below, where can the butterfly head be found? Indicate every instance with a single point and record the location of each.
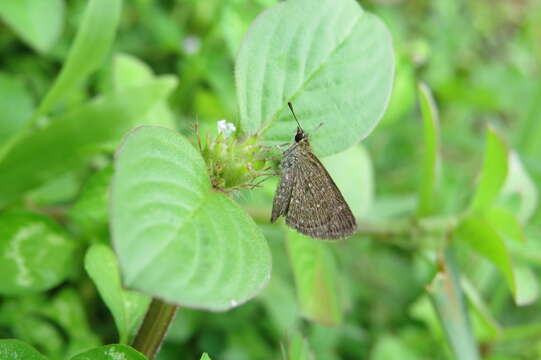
(300, 135)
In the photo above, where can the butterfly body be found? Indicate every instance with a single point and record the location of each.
(308, 197)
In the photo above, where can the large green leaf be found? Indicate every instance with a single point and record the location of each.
(12, 349)
(315, 277)
(128, 308)
(68, 141)
(430, 154)
(494, 172)
(175, 237)
(110, 352)
(39, 23)
(446, 295)
(92, 43)
(35, 254)
(336, 66)
(481, 236)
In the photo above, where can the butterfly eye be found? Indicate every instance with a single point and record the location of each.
(299, 136)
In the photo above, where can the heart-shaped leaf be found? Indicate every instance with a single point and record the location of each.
(175, 237)
(336, 66)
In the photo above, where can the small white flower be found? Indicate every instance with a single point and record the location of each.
(226, 128)
(191, 44)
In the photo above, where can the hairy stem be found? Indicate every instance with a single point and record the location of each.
(152, 332)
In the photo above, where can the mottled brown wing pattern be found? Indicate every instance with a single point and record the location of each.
(316, 207)
(282, 196)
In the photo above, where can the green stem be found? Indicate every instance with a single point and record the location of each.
(152, 332)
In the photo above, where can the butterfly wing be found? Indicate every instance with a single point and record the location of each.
(316, 207)
(282, 196)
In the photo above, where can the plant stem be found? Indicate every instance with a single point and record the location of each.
(152, 332)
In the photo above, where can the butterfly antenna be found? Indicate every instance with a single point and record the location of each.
(295, 116)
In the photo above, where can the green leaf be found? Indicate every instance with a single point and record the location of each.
(205, 356)
(91, 45)
(128, 308)
(475, 231)
(67, 310)
(175, 237)
(390, 348)
(69, 141)
(447, 298)
(281, 305)
(91, 210)
(16, 106)
(505, 222)
(299, 349)
(11, 349)
(519, 183)
(430, 162)
(110, 352)
(336, 66)
(316, 279)
(527, 286)
(491, 329)
(23, 316)
(38, 23)
(493, 174)
(352, 171)
(35, 254)
(130, 71)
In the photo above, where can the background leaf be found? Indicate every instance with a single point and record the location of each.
(299, 348)
(389, 348)
(61, 145)
(476, 232)
(91, 45)
(128, 71)
(17, 349)
(35, 253)
(38, 23)
(91, 210)
(128, 308)
(336, 67)
(175, 237)
(494, 172)
(16, 106)
(430, 162)
(315, 278)
(447, 298)
(519, 183)
(352, 171)
(505, 222)
(110, 352)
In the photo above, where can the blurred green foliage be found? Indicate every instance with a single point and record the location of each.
(171, 63)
